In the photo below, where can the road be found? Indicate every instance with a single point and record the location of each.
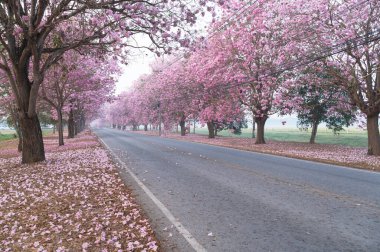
(232, 200)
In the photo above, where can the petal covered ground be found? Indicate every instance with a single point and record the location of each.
(327, 153)
(75, 201)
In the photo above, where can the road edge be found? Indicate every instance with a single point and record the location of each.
(180, 228)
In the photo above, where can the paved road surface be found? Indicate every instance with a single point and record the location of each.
(250, 201)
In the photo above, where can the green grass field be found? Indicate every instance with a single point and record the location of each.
(10, 134)
(353, 137)
(4, 137)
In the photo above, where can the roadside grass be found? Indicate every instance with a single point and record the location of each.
(5, 137)
(353, 137)
(73, 201)
(10, 134)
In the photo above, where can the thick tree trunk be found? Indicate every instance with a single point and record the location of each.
(260, 130)
(211, 130)
(60, 127)
(373, 135)
(194, 126)
(314, 132)
(70, 125)
(32, 141)
(26, 96)
(183, 128)
(253, 126)
(145, 127)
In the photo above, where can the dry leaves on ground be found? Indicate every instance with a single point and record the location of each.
(75, 201)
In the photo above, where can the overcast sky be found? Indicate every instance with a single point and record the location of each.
(132, 71)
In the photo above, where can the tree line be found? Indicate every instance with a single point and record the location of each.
(319, 59)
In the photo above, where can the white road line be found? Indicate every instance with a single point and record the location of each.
(181, 229)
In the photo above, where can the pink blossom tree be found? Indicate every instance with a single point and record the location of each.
(357, 68)
(243, 60)
(82, 79)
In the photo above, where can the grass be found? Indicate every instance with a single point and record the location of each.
(4, 137)
(353, 137)
(9, 134)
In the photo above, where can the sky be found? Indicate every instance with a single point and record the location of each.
(139, 61)
(132, 71)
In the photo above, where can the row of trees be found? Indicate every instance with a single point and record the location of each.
(40, 42)
(317, 58)
(72, 91)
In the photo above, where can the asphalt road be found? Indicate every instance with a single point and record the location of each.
(249, 201)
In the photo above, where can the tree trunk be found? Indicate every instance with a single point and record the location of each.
(373, 135)
(260, 130)
(194, 126)
(54, 129)
(253, 126)
(60, 127)
(314, 132)
(70, 125)
(145, 127)
(211, 130)
(32, 141)
(183, 129)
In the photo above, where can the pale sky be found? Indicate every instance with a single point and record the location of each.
(132, 71)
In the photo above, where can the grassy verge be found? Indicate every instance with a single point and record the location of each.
(5, 137)
(11, 134)
(353, 138)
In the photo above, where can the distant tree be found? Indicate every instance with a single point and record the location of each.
(316, 99)
(234, 126)
(321, 106)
